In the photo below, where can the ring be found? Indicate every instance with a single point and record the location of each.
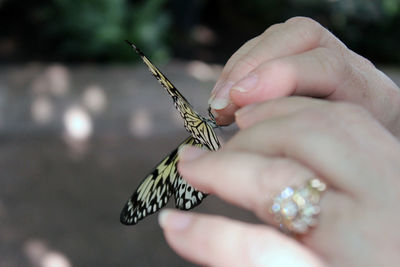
(296, 209)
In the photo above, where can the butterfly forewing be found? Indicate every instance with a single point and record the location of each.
(192, 120)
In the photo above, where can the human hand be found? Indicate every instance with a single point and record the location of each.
(300, 57)
(285, 142)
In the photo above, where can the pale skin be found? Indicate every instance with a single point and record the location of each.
(348, 142)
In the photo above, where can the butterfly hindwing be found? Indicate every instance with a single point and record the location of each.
(186, 196)
(156, 189)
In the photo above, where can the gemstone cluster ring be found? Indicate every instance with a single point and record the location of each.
(295, 209)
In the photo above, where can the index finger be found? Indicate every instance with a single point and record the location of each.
(295, 36)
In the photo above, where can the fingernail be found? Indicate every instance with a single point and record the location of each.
(213, 92)
(216, 87)
(189, 153)
(220, 98)
(247, 83)
(174, 220)
(245, 109)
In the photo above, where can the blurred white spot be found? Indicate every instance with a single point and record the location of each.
(58, 79)
(203, 35)
(40, 255)
(141, 123)
(35, 249)
(78, 124)
(42, 110)
(94, 99)
(54, 259)
(203, 72)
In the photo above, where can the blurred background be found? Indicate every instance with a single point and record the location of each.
(82, 121)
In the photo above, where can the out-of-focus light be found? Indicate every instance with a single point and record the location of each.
(204, 35)
(58, 79)
(95, 99)
(42, 110)
(54, 80)
(40, 255)
(141, 123)
(54, 259)
(203, 72)
(78, 124)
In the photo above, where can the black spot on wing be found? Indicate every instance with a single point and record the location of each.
(186, 196)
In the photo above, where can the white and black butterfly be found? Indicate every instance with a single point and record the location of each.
(155, 190)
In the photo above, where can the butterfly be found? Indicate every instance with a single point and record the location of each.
(164, 181)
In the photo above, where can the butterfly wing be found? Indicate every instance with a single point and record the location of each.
(199, 127)
(156, 189)
(186, 196)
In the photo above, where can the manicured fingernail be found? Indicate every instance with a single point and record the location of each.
(245, 109)
(189, 153)
(213, 92)
(220, 98)
(247, 83)
(174, 220)
(216, 87)
(219, 103)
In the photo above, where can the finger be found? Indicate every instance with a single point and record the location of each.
(241, 178)
(316, 73)
(221, 101)
(217, 241)
(225, 116)
(243, 50)
(253, 113)
(327, 141)
(296, 35)
(292, 37)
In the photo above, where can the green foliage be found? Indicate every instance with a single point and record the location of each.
(95, 29)
(370, 27)
(88, 30)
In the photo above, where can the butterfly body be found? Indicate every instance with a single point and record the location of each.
(164, 181)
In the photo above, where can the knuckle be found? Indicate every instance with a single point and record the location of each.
(273, 28)
(308, 30)
(303, 22)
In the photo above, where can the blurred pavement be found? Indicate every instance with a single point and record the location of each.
(75, 143)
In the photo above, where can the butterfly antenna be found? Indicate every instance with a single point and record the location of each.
(135, 47)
